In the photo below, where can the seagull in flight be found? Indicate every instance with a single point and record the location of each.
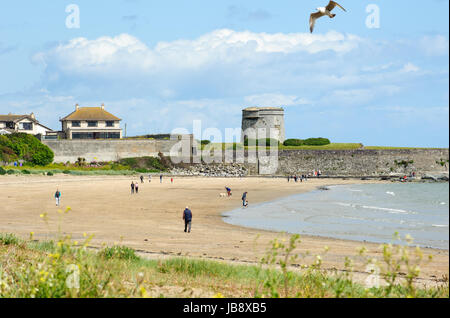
(323, 11)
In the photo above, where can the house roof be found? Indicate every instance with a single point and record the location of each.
(90, 113)
(18, 118)
(15, 118)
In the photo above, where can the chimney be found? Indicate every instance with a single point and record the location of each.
(32, 116)
(103, 106)
(77, 107)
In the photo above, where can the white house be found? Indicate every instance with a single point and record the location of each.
(91, 123)
(22, 124)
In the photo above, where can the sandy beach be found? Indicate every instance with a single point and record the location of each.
(151, 221)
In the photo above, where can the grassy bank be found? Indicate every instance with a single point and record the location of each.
(128, 166)
(68, 268)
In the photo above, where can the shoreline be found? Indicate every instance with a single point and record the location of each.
(320, 188)
(151, 221)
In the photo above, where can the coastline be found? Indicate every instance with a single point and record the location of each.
(249, 219)
(151, 222)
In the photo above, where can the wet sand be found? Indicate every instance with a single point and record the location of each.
(151, 221)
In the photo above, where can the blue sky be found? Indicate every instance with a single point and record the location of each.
(159, 65)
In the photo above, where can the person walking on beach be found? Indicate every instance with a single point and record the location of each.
(160, 178)
(228, 191)
(149, 178)
(187, 217)
(136, 186)
(171, 180)
(132, 187)
(244, 200)
(142, 179)
(57, 197)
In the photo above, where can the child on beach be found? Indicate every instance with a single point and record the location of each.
(136, 186)
(228, 191)
(132, 187)
(142, 179)
(149, 178)
(57, 197)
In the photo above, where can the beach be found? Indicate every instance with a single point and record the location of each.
(151, 221)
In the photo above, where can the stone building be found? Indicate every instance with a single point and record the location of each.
(267, 122)
(91, 123)
(22, 124)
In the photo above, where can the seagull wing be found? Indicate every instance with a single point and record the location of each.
(313, 18)
(332, 4)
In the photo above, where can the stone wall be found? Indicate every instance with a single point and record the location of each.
(113, 150)
(363, 162)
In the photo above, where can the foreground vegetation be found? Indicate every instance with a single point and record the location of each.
(68, 268)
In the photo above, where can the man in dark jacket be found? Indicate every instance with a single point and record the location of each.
(187, 217)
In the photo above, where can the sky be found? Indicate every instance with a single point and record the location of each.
(377, 74)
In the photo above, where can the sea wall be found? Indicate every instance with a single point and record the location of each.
(113, 150)
(357, 163)
(363, 162)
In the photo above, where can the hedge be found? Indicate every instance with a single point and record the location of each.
(307, 142)
(264, 142)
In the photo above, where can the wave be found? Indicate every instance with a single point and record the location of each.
(394, 211)
(439, 225)
(390, 193)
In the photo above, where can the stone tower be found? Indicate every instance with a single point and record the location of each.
(270, 118)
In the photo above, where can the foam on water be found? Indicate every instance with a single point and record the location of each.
(358, 212)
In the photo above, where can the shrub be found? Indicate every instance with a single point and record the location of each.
(293, 142)
(205, 142)
(26, 147)
(26, 171)
(49, 173)
(66, 171)
(10, 171)
(144, 164)
(317, 141)
(307, 142)
(9, 239)
(2, 171)
(119, 252)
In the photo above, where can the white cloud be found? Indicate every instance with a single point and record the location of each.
(437, 45)
(124, 51)
(410, 67)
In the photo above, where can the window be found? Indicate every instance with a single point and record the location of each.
(82, 136)
(109, 124)
(27, 126)
(76, 123)
(92, 123)
(10, 125)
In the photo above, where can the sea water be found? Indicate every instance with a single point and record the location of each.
(369, 212)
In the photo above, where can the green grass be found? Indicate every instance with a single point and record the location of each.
(332, 146)
(40, 269)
